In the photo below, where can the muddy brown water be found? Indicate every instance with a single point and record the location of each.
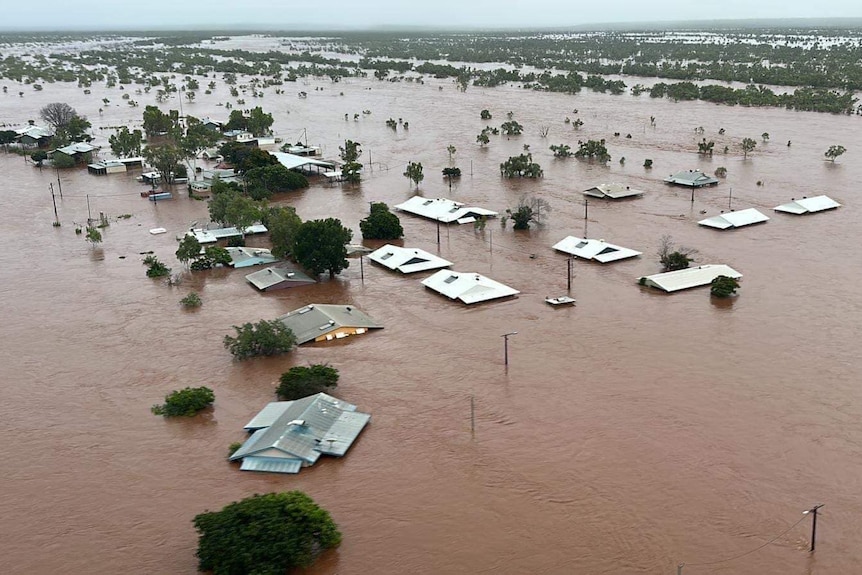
(630, 433)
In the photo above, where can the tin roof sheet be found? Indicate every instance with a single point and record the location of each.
(443, 210)
(469, 287)
(808, 205)
(310, 322)
(690, 277)
(735, 219)
(591, 249)
(407, 260)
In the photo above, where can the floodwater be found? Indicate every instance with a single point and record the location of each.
(631, 433)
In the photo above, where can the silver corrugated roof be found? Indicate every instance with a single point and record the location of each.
(693, 178)
(278, 277)
(735, 219)
(690, 277)
(314, 320)
(271, 464)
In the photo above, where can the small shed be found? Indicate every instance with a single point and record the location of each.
(590, 249)
(691, 179)
(289, 435)
(469, 287)
(689, 277)
(407, 260)
(34, 136)
(211, 236)
(278, 277)
(106, 167)
(808, 205)
(612, 192)
(325, 322)
(738, 219)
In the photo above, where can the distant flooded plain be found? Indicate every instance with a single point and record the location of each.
(628, 434)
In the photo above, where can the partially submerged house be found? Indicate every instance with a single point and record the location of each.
(808, 205)
(325, 322)
(469, 288)
(278, 277)
(242, 257)
(444, 210)
(738, 219)
(34, 136)
(117, 166)
(212, 124)
(590, 249)
(207, 236)
(289, 435)
(691, 179)
(612, 192)
(304, 164)
(689, 277)
(78, 152)
(407, 260)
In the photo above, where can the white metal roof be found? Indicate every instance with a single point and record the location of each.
(468, 287)
(35, 132)
(612, 191)
(292, 161)
(407, 260)
(693, 178)
(690, 277)
(211, 236)
(241, 257)
(77, 148)
(598, 250)
(443, 209)
(808, 205)
(735, 219)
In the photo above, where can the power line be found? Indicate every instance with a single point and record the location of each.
(779, 536)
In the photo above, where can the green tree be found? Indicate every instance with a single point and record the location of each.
(259, 122)
(191, 300)
(242, 212)
(156, 122)
(593, 149)
(723, 286)
(185, 402)
(210, 258)
(485, 115)
(264, 535)
(319, 246)
(189, 249)
(7, 137)
(834, 151)
(482, 139)
(528, 210)
(414, 173)
(223, 195)
(165, 159)
(263, 338)
(94, 236)
(705, 148)
(351, 169)
(674, 258)
(62, 161)
(39, 156)
(76, 131)
(450, 149)
(282, 223)
(511, 128)
(765, 136)
(562, 151)
(747, 146)
(273, 179)
(126, 144)
(301, 381)
(155, 268)
(521, 166)
(381, 224)
(196, 139)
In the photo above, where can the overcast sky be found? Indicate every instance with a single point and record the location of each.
(340, 14)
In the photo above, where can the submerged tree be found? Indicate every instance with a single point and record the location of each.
(264, 535)
(521, 166)
(381, 224)
(302, 381)
(262, 338)
(593, 149)
(320, 246)
(747, 146)
(125, 143)
(674, 258)
(529, 210)
(414, 173)
(351, 169)
(834, 151)
(723, 286)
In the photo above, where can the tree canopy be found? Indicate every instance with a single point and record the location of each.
(263, 338)
(414, 172)
(593, 149)
(185, 402)
(381, 224)
(834, 151)
(282, 223)
(723, 286)
(521, 166)
(319, 246)
(125, 143)
(302, 381)
(264, 535)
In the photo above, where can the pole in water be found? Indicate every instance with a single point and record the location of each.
(569, 274)
(472, 416)
(679, 568)
(586, 208)
(89, 215)
(59, 185)
(54, 201)
(730, 198)
(361, 268)
(813, 511)
(438, 232)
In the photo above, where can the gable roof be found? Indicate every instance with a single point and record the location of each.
(735, 219)
(692, 178)
(468, 287)
(407, 260)
(288, 435)
(598, 250)
(77, 148)
(35, 132)
(612, 191)
(443, 209)
(808, 205)
(241, 257)
(278, 277)
(689, 277)
(292, 161)
(316, 320)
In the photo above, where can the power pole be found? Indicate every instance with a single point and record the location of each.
(813, 511)
(54, 201)
(569, 273)
(472, 416)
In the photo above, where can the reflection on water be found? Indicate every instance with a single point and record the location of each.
(629, 433)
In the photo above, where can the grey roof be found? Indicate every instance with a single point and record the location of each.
(77, 148)
(315, 320)
(612, 191)
(692, 178)
(278, 277)
(301, 431)
(271, 464)
(241, 257)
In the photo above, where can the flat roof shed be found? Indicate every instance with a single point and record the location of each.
(689, 277)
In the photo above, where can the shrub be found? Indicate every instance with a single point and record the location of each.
(723, 286)
(191, 300)
(62, 161)
(155, 268)
(262, 338)
(381, 224)
(186, 402)
(264, 534)
(676, 261)
(233, 447)
(301, 381)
